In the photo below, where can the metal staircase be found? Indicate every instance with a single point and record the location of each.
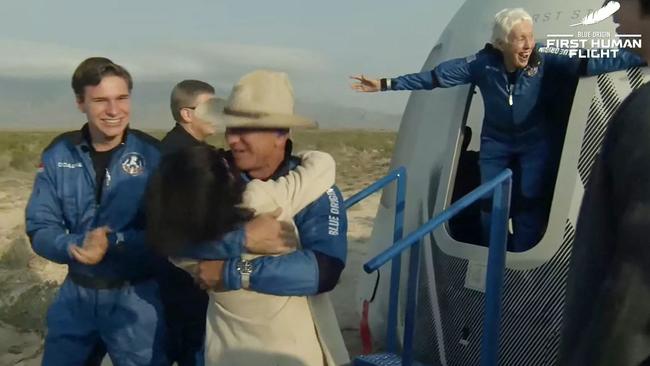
(500, 188)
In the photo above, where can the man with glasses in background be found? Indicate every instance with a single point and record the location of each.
(185, 303)
(188, 131)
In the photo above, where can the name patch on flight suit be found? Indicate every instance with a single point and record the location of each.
(333, 218)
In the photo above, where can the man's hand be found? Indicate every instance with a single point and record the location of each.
(94, 247)
(365, 85)
(209, 275)
(266, 235)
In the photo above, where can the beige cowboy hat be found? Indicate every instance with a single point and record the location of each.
(260, 99)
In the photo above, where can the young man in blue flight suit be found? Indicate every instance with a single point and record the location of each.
(519, 81)
(84, 212)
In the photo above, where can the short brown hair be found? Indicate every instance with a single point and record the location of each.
(184, 94)
(91, 71)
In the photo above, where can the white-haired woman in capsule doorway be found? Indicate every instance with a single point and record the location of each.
(518, 79)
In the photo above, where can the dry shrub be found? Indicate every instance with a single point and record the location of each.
(17, 254)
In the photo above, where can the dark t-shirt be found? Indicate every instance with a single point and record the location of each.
(608, 303)
(101, 159)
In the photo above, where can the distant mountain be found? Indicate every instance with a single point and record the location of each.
(341, 117)
(34, 104)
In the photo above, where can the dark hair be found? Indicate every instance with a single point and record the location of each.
(193, 197)
(184, 95)
(645, 7)
(91, 71)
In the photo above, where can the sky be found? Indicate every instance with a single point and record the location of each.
(318, 43)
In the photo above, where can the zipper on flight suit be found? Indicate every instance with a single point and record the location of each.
(107, 181)
(510, 88)
(89, 167)
(107, 176)
(510, 91)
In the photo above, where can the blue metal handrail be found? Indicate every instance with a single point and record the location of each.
(398, 174)
(500, 188)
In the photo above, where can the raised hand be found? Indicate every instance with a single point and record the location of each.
(365, 85)
(94, 247)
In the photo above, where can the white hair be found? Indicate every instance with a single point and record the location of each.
(504, 21)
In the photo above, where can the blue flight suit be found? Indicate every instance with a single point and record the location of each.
(315, 268)
(519, 123)
(117, 300)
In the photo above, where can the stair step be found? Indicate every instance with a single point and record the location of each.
(381, 359)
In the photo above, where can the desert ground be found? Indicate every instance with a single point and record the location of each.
(28, 283)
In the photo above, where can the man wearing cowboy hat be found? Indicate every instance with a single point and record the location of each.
(257, 118)
(185, 303)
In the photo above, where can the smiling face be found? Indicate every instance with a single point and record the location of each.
(519, 47)
(257, 152)
(107, 106)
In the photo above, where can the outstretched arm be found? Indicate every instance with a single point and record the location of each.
(564, 62)
(624, 60)
(418, 81)
(450, 73)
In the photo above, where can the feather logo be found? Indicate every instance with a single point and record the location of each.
(600, 14)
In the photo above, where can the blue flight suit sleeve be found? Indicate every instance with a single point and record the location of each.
(131, 240)
(562, 62)
(450, 73)
(231, 245)
(316, 267)
(624, 60)
(424, 80)
(44, 221)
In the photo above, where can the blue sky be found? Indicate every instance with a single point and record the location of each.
(318, 43)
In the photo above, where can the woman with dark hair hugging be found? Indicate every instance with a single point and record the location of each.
(197, 196)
